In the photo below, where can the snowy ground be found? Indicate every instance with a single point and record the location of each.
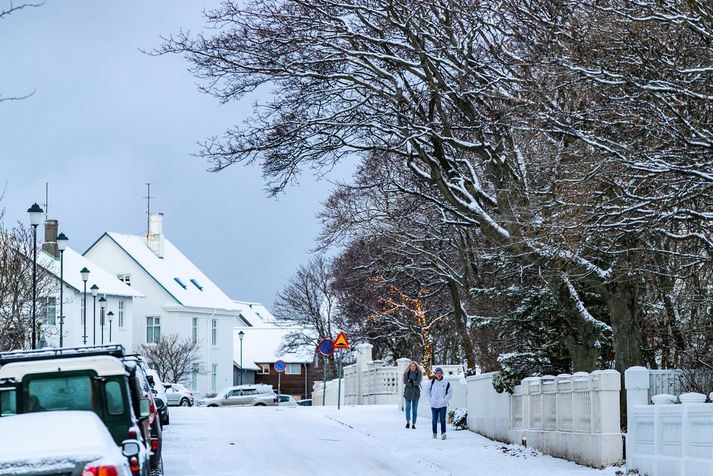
(366, 440)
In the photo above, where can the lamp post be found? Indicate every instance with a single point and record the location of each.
(35, 217)
(61, 246)
(241, 334)
(102, 306)
(85, 277)
(95, 290)
(110, 315)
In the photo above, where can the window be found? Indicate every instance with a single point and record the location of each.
(293, 369)
(194, 377)
(194, 330)
(195, 283)
(214, 332)
(121, 314)
(180, 283)
(50, 304)
(214, 378)
(8, 405)
(60, 393)
(153, 329)
(264, 368)
(124, 278)
(114, 399)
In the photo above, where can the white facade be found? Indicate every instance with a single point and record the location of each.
(179, 299)
(119, 300)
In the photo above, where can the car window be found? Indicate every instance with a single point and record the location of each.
(8, 405)
(284, 398)
(249, 391)
(60, 393)
(232, 393)
(114, 398)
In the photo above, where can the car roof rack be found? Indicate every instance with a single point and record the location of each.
(113, 350)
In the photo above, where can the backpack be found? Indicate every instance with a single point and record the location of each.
(448, 385)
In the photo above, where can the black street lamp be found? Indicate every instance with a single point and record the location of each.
(241, 334)
(85, 277)
(61, 246)
(102, 306)
(95, 290)
(35, 217)
(110, 315)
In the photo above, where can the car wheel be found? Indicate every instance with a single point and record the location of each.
(259, 404)
(158, 470)
(213, 406)
(166, 421)
(185, 403)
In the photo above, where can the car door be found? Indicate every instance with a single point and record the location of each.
(249, 397)
(173, 395)
(232, 398)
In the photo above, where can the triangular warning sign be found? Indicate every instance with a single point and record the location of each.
(341, 341)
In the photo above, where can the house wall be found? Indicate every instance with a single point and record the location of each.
(248, 376)
(291, 384)
(73, 328)
(175, 319)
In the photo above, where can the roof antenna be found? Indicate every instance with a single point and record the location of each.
(47, 200)
(148, 198)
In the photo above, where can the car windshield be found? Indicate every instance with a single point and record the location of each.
(60, 393)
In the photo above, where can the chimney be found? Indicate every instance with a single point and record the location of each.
(155, 238)
(50, 243)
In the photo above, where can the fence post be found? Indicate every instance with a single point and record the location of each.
(363, 359)
(636, 381)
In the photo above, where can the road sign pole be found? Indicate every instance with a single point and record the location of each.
(339, 384)
(279, 378)
(324, 381)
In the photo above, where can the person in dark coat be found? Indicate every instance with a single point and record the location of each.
(412, 392)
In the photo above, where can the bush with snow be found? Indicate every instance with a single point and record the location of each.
(459, 418)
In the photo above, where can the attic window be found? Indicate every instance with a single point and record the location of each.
(195, 283)
(178, 280)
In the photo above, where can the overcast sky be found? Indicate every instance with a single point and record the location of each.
(105, 119)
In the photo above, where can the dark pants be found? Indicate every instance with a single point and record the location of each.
(438, 414)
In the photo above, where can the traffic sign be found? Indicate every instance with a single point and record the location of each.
(326, 347)
(280, 366)
(341, 341)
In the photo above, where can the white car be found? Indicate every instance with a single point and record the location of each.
(62, 442)
(258, 395)
(178, 395)
(286, 400)
(159, 392)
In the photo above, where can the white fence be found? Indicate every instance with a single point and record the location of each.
(667, 438)
(575, 417)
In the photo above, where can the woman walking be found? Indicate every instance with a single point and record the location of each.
(412, 392)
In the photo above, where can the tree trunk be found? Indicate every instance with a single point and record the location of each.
(622, 301)
(461, 325)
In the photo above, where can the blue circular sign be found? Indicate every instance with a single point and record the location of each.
(280, 365)
(326, 347)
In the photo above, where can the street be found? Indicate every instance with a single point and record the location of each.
(366, 440)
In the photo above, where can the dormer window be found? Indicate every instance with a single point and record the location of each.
(195, 283)
(180, 283)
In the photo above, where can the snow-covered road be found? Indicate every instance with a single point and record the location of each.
(367, 440)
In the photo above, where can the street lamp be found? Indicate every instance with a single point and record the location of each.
(102, 306)
(95, 290)
(61, 246)
(35, 217)
(241, 334)
(85, 277)
(110, 315)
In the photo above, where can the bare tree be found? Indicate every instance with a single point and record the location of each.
(172, 357)
(5, 10)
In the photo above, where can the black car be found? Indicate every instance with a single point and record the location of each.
(85, 379)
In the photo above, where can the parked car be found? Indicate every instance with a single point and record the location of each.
(286, 400)
(178, 395)
(140, 386)
(307, 402)
(83, 379)
(72, 443)
(159, 393)
(242, 395)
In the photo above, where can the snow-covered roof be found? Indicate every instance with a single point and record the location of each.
(255, 313)
(175, 273)
(73, 264)
(262, 345)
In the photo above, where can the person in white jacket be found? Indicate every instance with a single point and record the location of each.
(439, 392)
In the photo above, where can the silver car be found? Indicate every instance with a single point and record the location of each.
(257, 395)
(178, 395)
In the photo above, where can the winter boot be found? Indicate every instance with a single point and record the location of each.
(414, 426)
(407, 424)
(435, 436)
(443, 436)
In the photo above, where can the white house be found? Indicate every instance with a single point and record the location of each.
(180, 299)
(119, 300)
